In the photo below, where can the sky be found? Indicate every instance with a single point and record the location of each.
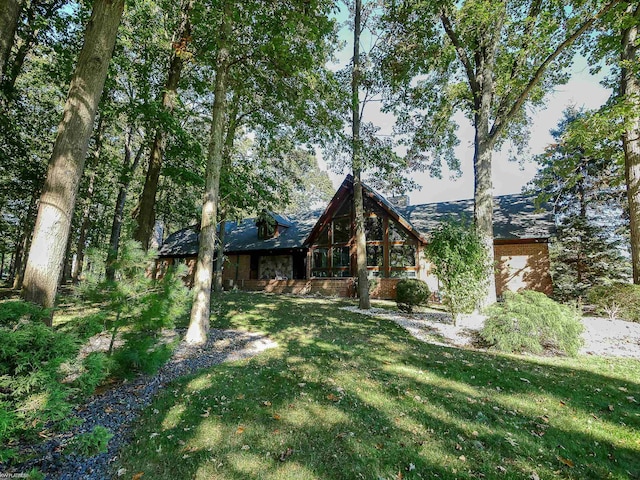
(582, 90)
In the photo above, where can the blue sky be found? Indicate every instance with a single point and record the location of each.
(582, 90)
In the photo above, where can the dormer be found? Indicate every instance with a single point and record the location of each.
(271, 225)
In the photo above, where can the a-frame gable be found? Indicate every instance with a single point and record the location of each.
(343, 192)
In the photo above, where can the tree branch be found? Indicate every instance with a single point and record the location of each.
(462, 55)
(500, 122)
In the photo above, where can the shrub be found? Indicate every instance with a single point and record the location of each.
(410, 293)
(142, 307)
(91, 443)
(34, 361)
(12, 311)
(461, 264)
(31, 392)
(616, 300)
(531, 322)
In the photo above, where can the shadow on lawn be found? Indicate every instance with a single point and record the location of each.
(349, 396)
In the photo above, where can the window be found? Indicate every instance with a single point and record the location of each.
(342, 230)
(402, 256)
(373, 229)
(341, 257)
(320, 258)
(375, 256)
(396, 232)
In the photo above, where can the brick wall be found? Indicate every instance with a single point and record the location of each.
(523, 266)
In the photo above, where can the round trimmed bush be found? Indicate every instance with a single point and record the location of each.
(411, 292)
(531, 322)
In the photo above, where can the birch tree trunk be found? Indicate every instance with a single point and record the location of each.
(9, 16)
(201, 309)
(66, 166)
(356, 161)
(146, 210)
(630, 90)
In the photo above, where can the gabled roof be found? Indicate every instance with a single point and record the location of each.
(514, 216)
(243, 236)
(343, 193)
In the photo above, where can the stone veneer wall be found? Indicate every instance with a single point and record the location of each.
(279, 267)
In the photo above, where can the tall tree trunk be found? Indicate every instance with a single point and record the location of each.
(483, 202)
(22, 246)
(356, 162)
(630, 91)
(199, 323)
(128, 169)
(85, 223)
(217, 276)
(146, 209)
(9, 16)
(69, 151)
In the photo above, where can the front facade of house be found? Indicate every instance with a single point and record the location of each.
(315, 252)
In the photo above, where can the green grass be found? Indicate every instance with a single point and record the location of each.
(347, 396)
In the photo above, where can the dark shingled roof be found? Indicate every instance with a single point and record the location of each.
(243, 236)
(514, 216)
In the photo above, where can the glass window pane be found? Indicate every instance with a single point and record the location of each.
(403, 273)
(320, 258)
(341, 257)
(402, 256)
(341, 230)
(323, 238)
(396, 232)
(373, 229)
(375, 256)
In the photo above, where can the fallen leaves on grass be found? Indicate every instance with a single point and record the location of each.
(566, 461)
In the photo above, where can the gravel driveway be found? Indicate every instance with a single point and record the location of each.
(604, 337)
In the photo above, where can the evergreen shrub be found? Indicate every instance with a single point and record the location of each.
(32, 393)
(91, 443)
(410, 293)
(140, 307)
(618, 300)
(531, 322)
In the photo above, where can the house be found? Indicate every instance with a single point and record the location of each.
(315, 253)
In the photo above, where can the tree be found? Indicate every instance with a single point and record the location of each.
(282, 41)
(8, 23)
(459, 259)
(630, 95)
(356, 165)
(581, 178)
(487, 59)
(200, 311)
(57, 201)
(179, 54)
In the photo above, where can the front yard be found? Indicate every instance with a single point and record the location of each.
(347, 396)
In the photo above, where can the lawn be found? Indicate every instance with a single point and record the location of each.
(347, 396)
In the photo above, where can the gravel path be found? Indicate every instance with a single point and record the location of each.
(603, 337)
(119, 407)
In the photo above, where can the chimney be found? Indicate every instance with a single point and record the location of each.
(399, 201)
